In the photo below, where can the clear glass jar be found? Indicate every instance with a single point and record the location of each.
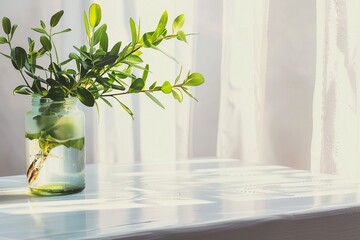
(55, 147)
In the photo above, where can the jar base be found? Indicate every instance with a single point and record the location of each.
(56, 189)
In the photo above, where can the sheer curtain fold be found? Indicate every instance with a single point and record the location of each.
(335, 142)
(243, 79)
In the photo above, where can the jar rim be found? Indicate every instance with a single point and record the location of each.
(37, 99)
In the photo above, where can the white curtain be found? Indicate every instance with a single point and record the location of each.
(244, 56)
(167, 135)
(336, 112)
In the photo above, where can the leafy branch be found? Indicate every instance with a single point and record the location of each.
(101, 72)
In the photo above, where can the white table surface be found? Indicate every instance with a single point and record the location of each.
(195, 199)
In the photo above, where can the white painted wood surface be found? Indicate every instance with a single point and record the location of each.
(195, 199)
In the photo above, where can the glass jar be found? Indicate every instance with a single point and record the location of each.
(55, 147)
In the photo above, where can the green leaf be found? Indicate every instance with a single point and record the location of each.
(66, 61)
(181, 36)
(86, 24)
(133, 59)
(6, 24)
(13, 29)
(63, 130)
(177, 95)
(46, 121)
(195, 79)
(36, 87)
(71, 71)
(45, 42)
(154, 99)
(122, 75)
(125, 107)
(178, 23)
(78, 143)
(106, 82)
(178, 76)
(39, 30)
(74, 56)
(56, 18)
(94, 15)
(145, 72)
(83, 53)
(166, 87)
(146, 40)
(52, 82)
(31, 45)
(101, 62)
(118, 87)
(85, 96)
(20, 57)
(106, 101)
(161, 25)
(22, 89)
(153, 85)
(56, 94)
(104, 42)
(3, 40)
(63, 31)
(42, 24)
(97, 111)
(189, 94)
(32, 136)
(133, 32)
(98, 34)
(115, 49)
(137, 85)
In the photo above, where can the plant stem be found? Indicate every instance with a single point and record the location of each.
(119, 61)
(56, 52)
(24, 78)
(142, 91)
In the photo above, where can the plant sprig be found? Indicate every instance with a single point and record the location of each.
(101, 72)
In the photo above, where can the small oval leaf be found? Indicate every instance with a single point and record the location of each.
(3, 40)
(166, 87)
(181, 36)
(42, 24)
(177, 95)
(178, 23)
(45, 42)
(56, 94)
(195, 79)
(94, 15)
(56, 18)
(85, 96)
(19, 57)
(22, 89)
(6, 24)
(39, 30)
(137, 85)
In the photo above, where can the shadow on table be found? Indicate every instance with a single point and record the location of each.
(14, 194)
